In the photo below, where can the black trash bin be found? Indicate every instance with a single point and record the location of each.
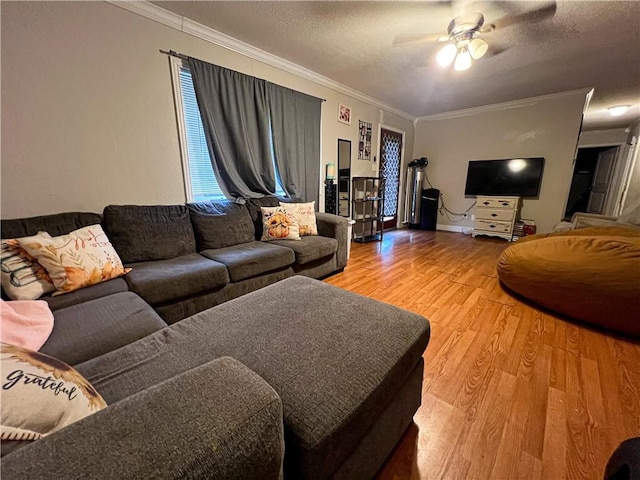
(429, 208)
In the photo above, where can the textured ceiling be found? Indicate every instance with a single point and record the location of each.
(537, 48)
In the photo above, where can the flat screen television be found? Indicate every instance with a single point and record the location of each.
(520, 177)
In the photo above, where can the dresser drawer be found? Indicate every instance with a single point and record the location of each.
(491, 226)
(497, 202)
(495, 214)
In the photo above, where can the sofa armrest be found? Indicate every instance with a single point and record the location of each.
(582, 220)
(219, 420)
(334, 226)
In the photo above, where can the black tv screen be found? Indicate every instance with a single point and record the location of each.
(518, 177)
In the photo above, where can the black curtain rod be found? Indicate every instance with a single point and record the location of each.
(182, 56)
(171, 53)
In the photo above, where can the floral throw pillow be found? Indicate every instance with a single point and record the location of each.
(41, 394)
(278, 224)
(305, 215)
(23, 278)
(81, 258)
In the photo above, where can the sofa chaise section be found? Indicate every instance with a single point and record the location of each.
(218, 420)
(347, 368)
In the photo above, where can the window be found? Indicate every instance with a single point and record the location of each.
(200, 181)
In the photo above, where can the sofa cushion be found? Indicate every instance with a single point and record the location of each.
(163, 281)
(98, 290)
(57, 224)
(76, 260)
(141, 233)
(89, 329)
(220, 224)
(251, 259)
(32, 409)
(310, 248)
(297, 334)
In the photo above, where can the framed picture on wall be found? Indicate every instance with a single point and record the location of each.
(364, 144)
(344, 114)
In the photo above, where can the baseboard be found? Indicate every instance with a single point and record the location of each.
(449, 228)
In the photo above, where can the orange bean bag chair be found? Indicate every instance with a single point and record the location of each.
(590, 274)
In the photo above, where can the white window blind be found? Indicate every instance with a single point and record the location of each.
(203, 183)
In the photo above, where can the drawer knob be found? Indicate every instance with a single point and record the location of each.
(504, 204)
(492, 226)
(494, 214)
(485, 203)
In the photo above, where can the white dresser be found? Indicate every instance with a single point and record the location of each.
(495, 216)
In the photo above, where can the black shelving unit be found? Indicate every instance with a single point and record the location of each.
(367, 209)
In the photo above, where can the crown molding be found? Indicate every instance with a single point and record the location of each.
(525, 102)
(185, 25)
(150, 11)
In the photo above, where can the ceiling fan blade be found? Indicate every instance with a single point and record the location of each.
(496, 49)
(486, 28)
(420, 38)
(536, 15)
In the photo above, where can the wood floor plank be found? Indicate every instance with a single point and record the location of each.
(509, 390)
(554, 452)
(558, 373)
(535, 425)
(529, 467)
(510, 446)
(586, 459)
(487, 428)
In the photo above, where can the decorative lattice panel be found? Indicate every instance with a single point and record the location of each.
(390, 150)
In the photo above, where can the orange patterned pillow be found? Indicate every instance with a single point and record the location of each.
(81, 258)
(278, 224)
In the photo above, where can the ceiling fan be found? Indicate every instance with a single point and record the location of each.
(463, 42)
(463, 38)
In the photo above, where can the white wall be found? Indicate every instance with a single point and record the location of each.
(87, 108)
(632, 194)
(601, 138)
(544, 127)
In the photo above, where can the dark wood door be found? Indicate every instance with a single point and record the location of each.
(390, 160)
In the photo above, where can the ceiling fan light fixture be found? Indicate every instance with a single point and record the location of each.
(618, 110)
(447, 54)
(463, 60)
(477, 48)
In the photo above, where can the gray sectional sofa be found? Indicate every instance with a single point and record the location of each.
(187, 258)
(298, 379)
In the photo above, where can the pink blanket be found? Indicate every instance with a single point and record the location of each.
(25, 323)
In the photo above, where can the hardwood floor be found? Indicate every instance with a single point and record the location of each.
(509, 391)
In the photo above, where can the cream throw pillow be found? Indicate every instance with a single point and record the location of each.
(23, 278)
(305, 215)
(278, 224)
(41, 394)
(81, 258)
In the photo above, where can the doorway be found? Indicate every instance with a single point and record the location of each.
(591, 181)
(390, 161)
